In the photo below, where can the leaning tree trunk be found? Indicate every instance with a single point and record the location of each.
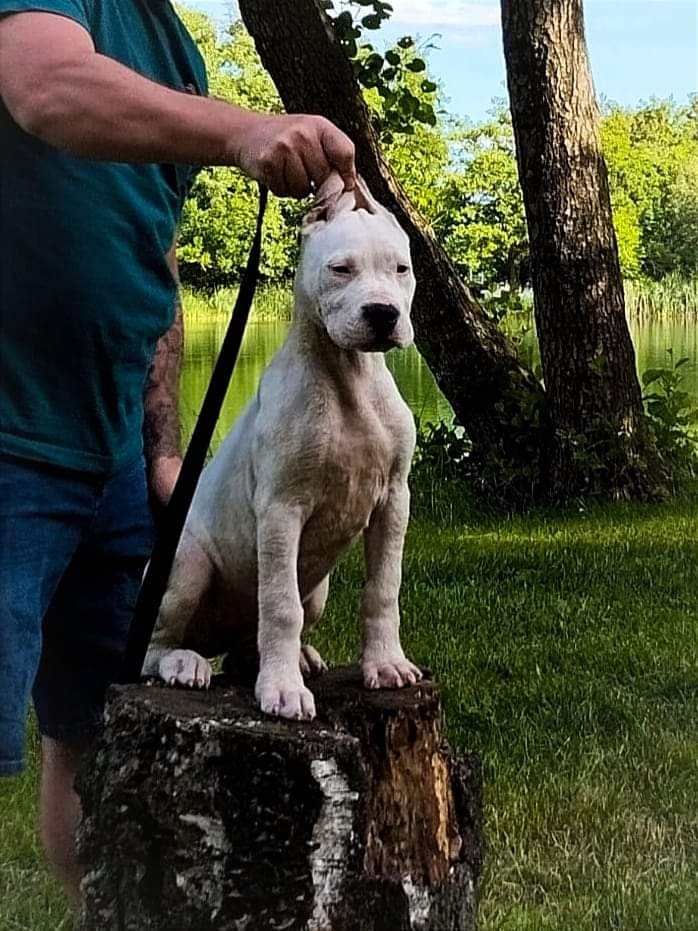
(601, 442)
(495, 398)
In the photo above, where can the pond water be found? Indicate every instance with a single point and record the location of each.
(204, 334)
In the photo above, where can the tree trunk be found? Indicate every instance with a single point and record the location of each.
(601, 442)
(494, 397)
(202, 814)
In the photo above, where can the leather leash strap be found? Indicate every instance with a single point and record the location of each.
(158, 572)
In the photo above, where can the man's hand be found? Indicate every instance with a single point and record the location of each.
(287, 153)
(56, 86)
(164, 472)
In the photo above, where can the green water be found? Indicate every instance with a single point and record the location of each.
(203, 337)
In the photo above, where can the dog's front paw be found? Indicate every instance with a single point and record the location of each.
(185, 667)
(389, 673)
(285, 699)
(312, 664)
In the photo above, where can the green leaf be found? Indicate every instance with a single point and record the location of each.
(372, 22)
(426, 114)
(649, 376)
(406, 42)
(416, 65)
(428, 87)
(368, 78)
(374, 62)
(408, 103)
(392, 56)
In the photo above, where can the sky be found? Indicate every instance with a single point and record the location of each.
(639, 48)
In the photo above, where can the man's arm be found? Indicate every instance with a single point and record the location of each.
(161, 429)
(58, 87)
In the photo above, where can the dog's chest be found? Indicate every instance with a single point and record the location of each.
(353, 479)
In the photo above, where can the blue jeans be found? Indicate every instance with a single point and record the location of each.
(72, 552)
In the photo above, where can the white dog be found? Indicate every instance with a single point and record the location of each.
(321, 455)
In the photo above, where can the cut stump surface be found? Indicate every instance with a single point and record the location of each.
(201, 813)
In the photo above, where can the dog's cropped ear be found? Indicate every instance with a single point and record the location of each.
(363, 198)
(317, 215)
(333, 199)
(330, 199)
(331, 187)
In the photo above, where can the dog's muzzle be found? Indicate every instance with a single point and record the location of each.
(381, 319)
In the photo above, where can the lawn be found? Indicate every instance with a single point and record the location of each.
(566, 644)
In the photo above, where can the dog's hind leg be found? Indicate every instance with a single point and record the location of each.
(312, 664)
(190, 579)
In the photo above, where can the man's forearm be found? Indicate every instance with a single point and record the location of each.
(97, 108)
(56, 86)
(162, 432)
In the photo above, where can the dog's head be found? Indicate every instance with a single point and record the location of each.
(355, 274)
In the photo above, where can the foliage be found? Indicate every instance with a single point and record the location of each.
(673, 248)
(420, 162)
(442, 450)
(652, 156)
(512, 311)
(405, 102)
(481, 220)
(671, 411)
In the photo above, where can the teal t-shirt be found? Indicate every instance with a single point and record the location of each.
(85, 289)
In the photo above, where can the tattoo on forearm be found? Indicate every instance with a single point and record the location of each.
(162, 432)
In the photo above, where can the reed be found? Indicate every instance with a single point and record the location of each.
(272, 302)
(674, 297)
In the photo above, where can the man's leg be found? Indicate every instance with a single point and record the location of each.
(85, 632)
(59, 808)
(42, 517)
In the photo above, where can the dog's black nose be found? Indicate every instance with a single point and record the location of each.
(381, 318)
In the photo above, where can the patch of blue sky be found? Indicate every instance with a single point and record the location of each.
(639, 48)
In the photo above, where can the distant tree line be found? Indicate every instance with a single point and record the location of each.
(462, 176)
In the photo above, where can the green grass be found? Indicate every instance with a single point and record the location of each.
(566, 644)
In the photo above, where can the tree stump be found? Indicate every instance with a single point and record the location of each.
(201, 813)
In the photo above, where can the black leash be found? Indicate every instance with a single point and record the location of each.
(157, 575)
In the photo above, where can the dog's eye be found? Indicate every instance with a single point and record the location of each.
(341, 269)
(402, 269)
